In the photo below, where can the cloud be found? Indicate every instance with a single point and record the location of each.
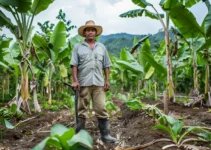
(91, 8)
(113, 1)
(106, 13)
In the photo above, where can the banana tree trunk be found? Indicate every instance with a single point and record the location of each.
(155, 88)
(149, 86)
(195, 77)
(25, 87)
(207, 78)
(34, 89)
(169, 69)
(207, 85)
(49, 86)
(168, 58)
(49, 93)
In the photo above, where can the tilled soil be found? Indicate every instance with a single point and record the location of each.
(132, 128)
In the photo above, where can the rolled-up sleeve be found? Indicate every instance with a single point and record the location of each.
(106, 61)
(74, 59)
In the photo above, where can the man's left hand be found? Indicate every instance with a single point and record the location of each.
(106, 85)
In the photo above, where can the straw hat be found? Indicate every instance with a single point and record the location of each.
(90, 23)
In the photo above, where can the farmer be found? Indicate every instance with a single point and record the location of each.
(89, 59)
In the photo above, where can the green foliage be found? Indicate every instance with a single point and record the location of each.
(64, 138)
(6, 124)
(186, 22)
(183, 100)
(206, 23)
(55, 106)
(175, 129)
(139, 13)
(40, 5)
(153, 111)
(58, 40)
(110, 107)
(63, 71)
(134, 104)
(4, 45)
(62, 17)
(11, 112)
(70, 103)
(133, 66)
(122, 97)
(141, 3)
(115, 42)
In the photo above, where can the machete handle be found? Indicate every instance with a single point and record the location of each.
(68, 84)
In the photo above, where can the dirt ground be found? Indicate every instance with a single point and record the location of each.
(132, 128)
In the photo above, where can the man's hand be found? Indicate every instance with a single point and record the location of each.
(76, 85)
(106, 85)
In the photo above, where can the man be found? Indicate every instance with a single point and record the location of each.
(89, 58)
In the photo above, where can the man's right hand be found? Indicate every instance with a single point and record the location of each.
(76, 85)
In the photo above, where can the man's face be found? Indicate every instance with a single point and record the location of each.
(90, 33)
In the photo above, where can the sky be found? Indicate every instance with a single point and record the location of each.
(106, 13)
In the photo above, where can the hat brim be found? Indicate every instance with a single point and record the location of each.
(98, 28)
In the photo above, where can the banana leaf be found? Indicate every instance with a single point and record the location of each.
(141, 3)
(149, 73)
(126, 55)
(5, 21)
(139, 12)
(185, 22)
(40, 5)
(133, 66)
(159, 68)
(207, 24)
(58, 40)
(21, 6)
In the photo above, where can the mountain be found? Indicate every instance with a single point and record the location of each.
(115, 42)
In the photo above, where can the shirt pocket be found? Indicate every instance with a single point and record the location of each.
(83, 57)
(99, 57)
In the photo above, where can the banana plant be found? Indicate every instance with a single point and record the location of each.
(153, 64)
(175, 129)
(63, 138)
(190, 29)
(8, 60)
(57, 51)
(206, 25)
(150, 63)
(131, 70)
(23, 13)
(52, 50)
(6, 124)
(139, 13)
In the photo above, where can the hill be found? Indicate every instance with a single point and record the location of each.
(115, 42)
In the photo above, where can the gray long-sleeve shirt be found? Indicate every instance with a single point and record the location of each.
(90, 63)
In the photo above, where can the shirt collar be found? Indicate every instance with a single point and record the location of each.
(85, 43)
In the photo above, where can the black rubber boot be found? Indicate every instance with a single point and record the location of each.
(105, 131)
(80, 125)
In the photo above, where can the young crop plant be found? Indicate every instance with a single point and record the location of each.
(63, 138)
(12, 112)
(6, 124)
(175, 129)
(110, 107)
(153, 111)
